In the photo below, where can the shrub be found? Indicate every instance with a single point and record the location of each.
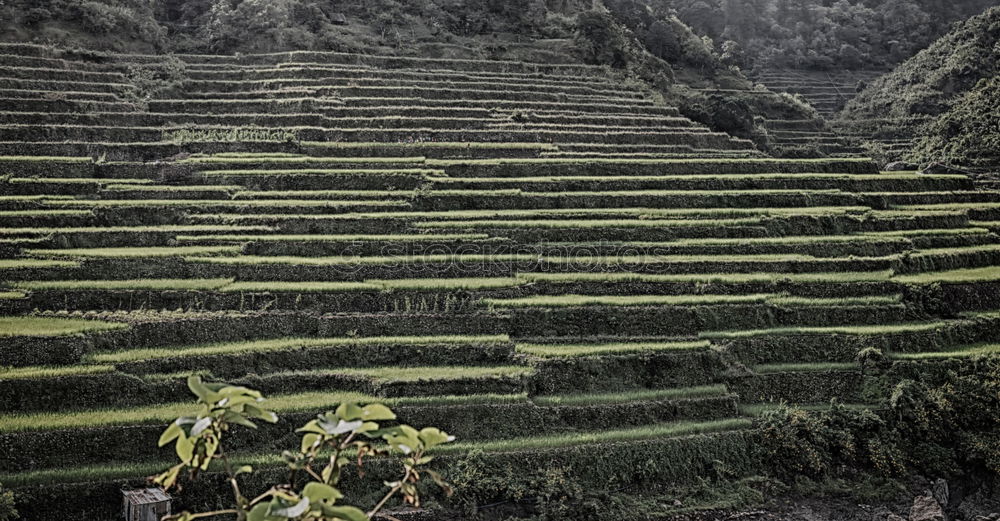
(7, 510)
(600, 39)
(331, 443)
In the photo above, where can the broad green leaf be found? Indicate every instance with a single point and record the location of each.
(317, 492)
(200, 427)
(349, 411)
(260, 513)
(432, 437)
(245, 469)
(308, 441)
(346, 513)
(172, 432)
(238, 419)
(292, 511)
(312, 426)
(201, 390)
(377, 411)
(184, 449)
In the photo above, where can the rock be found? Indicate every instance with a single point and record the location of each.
(941, 168)
(940, 492)
(894, 517)
(926, 508)
(897, 166)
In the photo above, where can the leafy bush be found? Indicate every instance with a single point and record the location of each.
(331, 443)
(969, 133)
(600, 39)
(950, 426)
(7, 510)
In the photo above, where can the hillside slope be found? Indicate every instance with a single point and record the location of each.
(902, 103)
(591, 291)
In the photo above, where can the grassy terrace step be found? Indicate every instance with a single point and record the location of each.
(105, 389)
(698, 439)
(480, 420)
(119, 236)
(800, 181)
(243, 206)
(589, 166)
(841, 343)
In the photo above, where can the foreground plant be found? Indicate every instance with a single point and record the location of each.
(330, 443)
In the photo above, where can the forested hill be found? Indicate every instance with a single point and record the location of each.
(930, 95)
(831, 35)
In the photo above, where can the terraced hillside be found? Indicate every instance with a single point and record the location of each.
(532, 257)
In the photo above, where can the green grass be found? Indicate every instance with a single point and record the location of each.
(799, 368)
(625, 300)
(234, 203)
(339, 238)
(104, 472)
(759, 409)
(325, 172)
(11, 295)
(45, 159)
(558, 350)
(167, 228)
(985, 274)
(875, 329)
(142, 284)
(297, 287)
(279, 344)
(480, 145)
(152, 251)
(928, 232)
(413, 374)
(589, 223)
(44, 213)
(281, 403)
(681, 393)
(656, 431)
(30, 373)
(981, 349)
(51, 326)
(230, 158)
(873, 300)
(338, 261)
(709, 278)
(36, 263)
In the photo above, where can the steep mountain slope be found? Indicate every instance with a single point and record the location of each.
(900, 105)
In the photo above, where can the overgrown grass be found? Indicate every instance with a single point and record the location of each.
(985, 274)
(141, 284)
(282, 403)
(872, 300)
(30, 373)
(969, 351)
(140, 252)
(36, 263)
(710, 278)
(340, 238)
(590, 223)
(345, 261)
(104, 472)
(51, 326)
(680, 393)
(279, 344)
(559, 350)
(801, 368)
(873, 329)
(625, 300)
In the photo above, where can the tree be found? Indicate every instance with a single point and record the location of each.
(599, 38)
(343, 438)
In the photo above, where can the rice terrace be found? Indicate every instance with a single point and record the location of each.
(621, 259)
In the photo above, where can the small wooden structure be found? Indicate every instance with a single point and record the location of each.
(145, 504)
(338, 19)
